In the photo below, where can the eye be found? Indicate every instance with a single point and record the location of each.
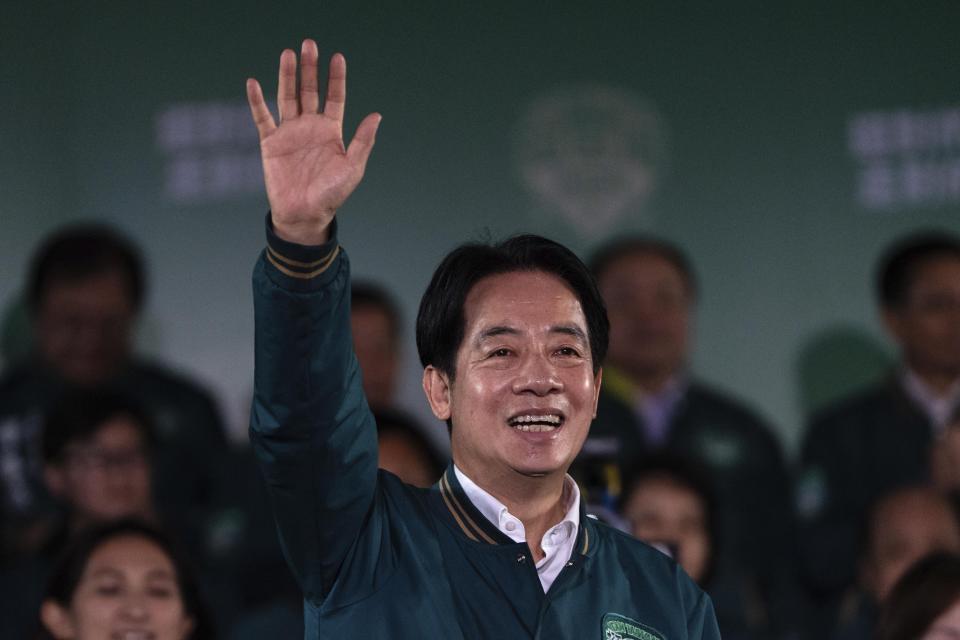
(108, 589)
(502, 352)
(161, 592)
(568, 352)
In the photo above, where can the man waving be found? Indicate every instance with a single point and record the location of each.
(511, 337)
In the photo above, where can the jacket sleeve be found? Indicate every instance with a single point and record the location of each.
(702, 621)
(310, 426)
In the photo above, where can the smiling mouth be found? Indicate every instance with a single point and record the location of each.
(536, 423)
(132, 634)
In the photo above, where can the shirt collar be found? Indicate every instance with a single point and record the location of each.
(498, 514)
(940, 408)
(621, 386)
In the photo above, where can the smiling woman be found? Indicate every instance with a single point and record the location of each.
(124, 581)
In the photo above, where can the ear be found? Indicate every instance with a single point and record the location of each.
(57, 621)
(436, 386)
(55, 479)
(596, 390)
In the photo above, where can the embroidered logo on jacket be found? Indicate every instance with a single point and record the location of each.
(618, 627)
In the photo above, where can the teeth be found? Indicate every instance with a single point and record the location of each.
(535, 428)
(548, 418)
(536, 423)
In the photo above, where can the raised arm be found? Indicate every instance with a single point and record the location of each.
(310, 425)
(307, 169)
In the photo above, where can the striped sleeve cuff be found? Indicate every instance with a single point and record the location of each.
(300, 267)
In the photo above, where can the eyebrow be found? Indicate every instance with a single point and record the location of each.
(501, 330)
(495, 331)
(570, 330)
(151, 574)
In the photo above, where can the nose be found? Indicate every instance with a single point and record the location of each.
(537, 376)
(134, 608)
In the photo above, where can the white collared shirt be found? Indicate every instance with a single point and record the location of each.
(557, 542)
(940, 409)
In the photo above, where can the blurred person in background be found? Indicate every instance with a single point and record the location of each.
(85, 288)
(925, 603)
(404, 451)
(97, 465)
(651, 401)
(668, 502)
(123, 580)
(96, 449)
(885, 436)
(901, 528)
(376, 327)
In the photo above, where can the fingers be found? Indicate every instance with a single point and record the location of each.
(336, 88)
(258, 108)
(362, 144)
(309, 93)
(287, 102)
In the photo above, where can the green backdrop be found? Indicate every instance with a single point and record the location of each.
(782, 144)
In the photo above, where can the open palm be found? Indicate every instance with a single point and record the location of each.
(307, 169)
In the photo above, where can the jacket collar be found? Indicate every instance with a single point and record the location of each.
(468, 519)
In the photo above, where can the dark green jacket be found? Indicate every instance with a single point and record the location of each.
(855, 452)
(379, 559)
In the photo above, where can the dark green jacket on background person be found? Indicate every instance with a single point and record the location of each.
(379, 559)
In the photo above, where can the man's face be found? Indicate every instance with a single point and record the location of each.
(83, 327)
(373, 341)
(649, 307)
(906, 528)
(106, 477)
(525, 392)
(927, 327)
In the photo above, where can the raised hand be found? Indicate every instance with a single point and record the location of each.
(307, 169)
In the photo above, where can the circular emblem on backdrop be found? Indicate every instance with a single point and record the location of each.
(591, 154)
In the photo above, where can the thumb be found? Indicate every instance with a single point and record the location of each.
(362, 144)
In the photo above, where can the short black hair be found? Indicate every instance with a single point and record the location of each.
(441, 320)
(607, 254)
(70, 566)
(80, 413)
(898, 265)
(364, 293)
(81, 251)
(684, 472)
(926, 590)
